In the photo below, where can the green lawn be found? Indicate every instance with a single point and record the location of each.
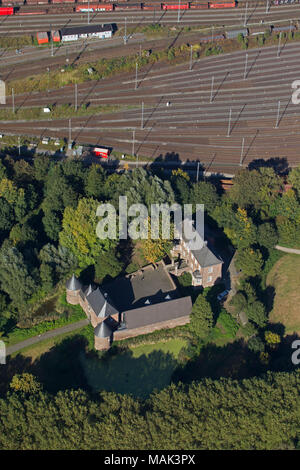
(138, 370)
(283, 280)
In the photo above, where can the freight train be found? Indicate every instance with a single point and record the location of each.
(15, 7)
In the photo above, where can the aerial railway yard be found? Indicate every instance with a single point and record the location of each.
(195, 126)
(225, 112)
(57, 16)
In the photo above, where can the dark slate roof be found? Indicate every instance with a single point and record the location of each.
(150, 314)
(93, 28)
(203, 255)
(101, 305)
(73, 283)
(102, 330)
(88, 290)
(206, 257)
(148, 283)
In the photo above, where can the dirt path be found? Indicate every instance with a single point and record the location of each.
(49, 334)
(287, 250)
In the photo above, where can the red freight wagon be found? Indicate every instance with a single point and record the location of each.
(42, 38)
(184, 6)
(101, 152)
(222, 5)
(199, 6)
(6, 11)
(55, 36)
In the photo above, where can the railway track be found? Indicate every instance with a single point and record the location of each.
(253, 15)
(196, 125)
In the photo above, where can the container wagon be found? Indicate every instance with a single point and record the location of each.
(42, 38)
(279, 29)
(234, 34)
(222, 5)
(217, 37)
(92, 8)
(128, 6)
(167, 6)
(199, 6)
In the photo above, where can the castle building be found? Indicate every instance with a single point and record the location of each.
(136, 304)
(148, 299)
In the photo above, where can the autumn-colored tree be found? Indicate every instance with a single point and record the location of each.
(26, 383)
(79, 232)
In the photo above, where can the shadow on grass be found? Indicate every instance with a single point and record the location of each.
(124, 373)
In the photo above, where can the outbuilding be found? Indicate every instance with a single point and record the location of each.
(100, 31)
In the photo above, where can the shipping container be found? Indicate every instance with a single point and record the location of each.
(92, 8)
(6, 11)
(42, 38)
(199, 6)
(151, 6)
(101, 152)
(167, 6)
(223, 5)
(129, 6)
(55, 36)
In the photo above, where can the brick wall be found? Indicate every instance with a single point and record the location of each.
(144, 330)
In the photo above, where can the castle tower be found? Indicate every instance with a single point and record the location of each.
(103, 336)
(73, 286)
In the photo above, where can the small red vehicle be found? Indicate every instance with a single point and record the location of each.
(101, 152)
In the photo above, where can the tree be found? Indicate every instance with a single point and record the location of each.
(239, 301)
(204, 193)
(294, 179)
(60, 259)
(6, 215)
(181, 187)
(15, 278)
(201, 319)
(94, 186)
(256, 344)
(156, 249)
(250, 261)
(267, 235)
(79, 232)
(26, 383)
(108, 265)
(256, 312)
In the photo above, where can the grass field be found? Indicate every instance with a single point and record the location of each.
(138, 370)
(284, 278)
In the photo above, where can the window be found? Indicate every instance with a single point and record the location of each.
(209, 279)
(210, 270)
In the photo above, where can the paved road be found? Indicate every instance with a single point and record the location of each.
(47, 335)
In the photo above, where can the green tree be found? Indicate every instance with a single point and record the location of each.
(250, 261)
(95, 180)
(204, 193)
(15, 277)
(201, 321)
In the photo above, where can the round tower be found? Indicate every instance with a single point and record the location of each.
(103, 336)
(73, 287)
